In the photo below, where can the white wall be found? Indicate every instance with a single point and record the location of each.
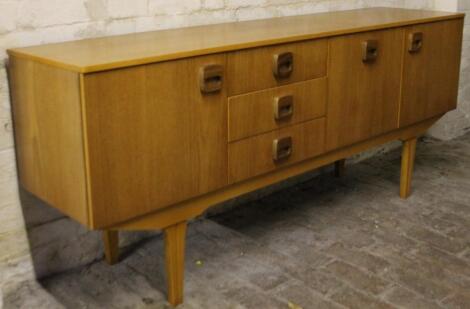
(457, 122)
(58, 243)
(446, 5)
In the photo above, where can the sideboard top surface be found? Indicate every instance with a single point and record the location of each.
(106, 53)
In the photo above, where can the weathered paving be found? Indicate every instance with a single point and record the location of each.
(326, 243)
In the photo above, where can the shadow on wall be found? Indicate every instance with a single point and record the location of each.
(59, 243)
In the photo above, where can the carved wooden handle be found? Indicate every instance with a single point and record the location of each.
(283, 107)
(415, 42)
(282, 148)
(211, 78)
(370, 50)
(283, 65)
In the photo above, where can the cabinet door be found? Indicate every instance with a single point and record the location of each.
(363, 93)
(431, 70)
(154, 139)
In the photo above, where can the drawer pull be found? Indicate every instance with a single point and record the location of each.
(370, 50)
(211, 78)
(283, 107)
(283, 65)
(282, 148)
(415, 42)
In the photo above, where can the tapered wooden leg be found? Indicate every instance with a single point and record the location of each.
(407, 164)
(175, 237)
(111, 246)
(340, 168)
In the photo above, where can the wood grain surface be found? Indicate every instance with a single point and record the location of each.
(254, 156)
(363, 98)
(252, 69)
(153, 138)
(48, 135)
(431, 75)
(253, 113)
(113, 52)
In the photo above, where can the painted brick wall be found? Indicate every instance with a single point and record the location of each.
(56, 242)
(457, 122)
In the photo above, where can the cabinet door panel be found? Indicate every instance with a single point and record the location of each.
(153, 138)
(431, 74)
(363, 96)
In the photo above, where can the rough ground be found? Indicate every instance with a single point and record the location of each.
(327, 243)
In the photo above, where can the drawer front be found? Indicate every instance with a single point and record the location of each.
(157, 135)
(264, 111)
(263, 153)
(364, 86)
(266, 67)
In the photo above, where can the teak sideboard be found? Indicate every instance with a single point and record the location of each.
(146, 131)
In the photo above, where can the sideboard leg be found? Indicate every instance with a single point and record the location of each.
(340, 168)
(407, 164)
(175, 237)
(111, 246)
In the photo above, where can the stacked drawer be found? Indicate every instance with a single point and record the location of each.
(276, 106)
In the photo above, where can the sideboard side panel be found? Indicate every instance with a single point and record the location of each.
(48, 135)
(153, 138)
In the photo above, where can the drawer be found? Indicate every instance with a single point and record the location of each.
(263, 153)
(264, 111)
(267, 67)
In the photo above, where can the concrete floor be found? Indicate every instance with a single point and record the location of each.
(326, 243)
